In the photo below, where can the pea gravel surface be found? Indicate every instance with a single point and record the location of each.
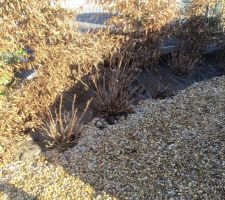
(169, 149)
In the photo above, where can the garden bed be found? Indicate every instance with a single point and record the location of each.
(37, 83)
(134, 111)
(172, 148)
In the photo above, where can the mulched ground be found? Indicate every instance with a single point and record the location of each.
(169, 149)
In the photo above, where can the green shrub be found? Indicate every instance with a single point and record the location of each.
(14, 57)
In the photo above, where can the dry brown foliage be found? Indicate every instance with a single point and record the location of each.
(63, 129)
(143, 22)
(221, 52)
(199, 7)
(141, 17)
(110, 83)
(62, 55)
(200, 25)
(198, 28)
(221, 43)
(183, 63)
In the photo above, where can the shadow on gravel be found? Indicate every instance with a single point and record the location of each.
(11, 192)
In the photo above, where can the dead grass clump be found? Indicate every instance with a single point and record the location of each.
(162, 92)
(63, 129)
(183, 63)
(109, 86)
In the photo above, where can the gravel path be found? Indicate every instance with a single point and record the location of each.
(169, 149)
